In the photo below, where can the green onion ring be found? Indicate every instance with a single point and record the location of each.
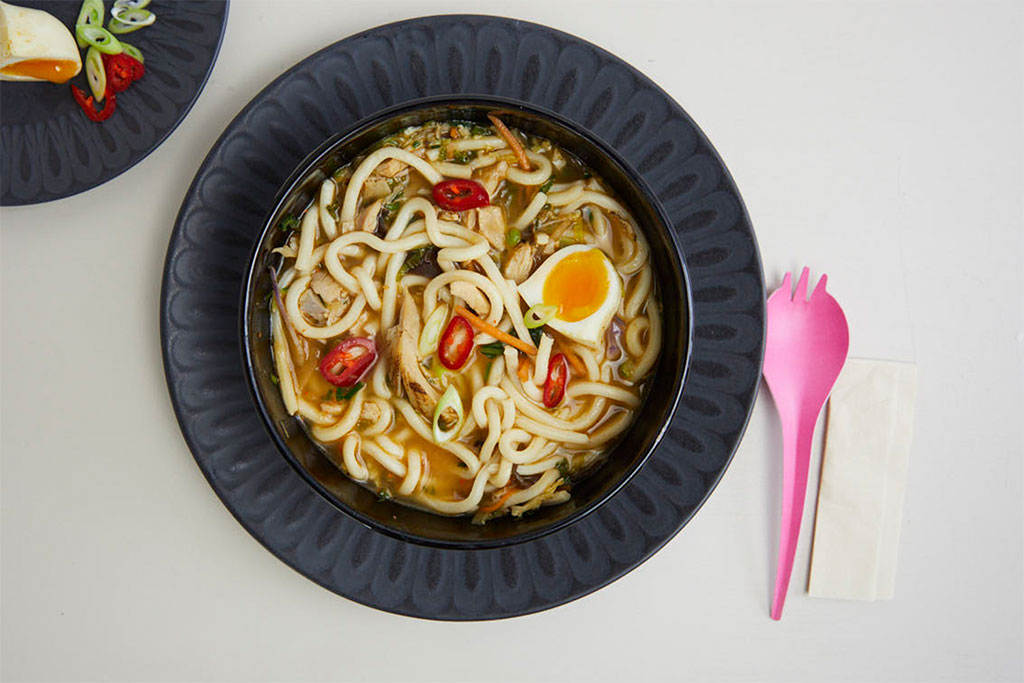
(133, 52)
(100, 38)
(432, 330)
(450, 399)
(132, 17)
(95, 73)
(91, 14)
(540, 315)
(117, 28)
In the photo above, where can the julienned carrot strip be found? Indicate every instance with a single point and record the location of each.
(513, 142)
(495, 332)
(525, 369)
(499, 502)
(570, 355)
(574, 360)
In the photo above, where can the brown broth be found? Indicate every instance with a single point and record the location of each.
(444, 476)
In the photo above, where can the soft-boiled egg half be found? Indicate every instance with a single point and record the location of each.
(582, 283)
(35, 46)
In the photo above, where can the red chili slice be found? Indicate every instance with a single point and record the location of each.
(558, 377)
(80, 97)
(122, 71)
(456, 343)
(342, 368)
(86, 103)
(460, 195)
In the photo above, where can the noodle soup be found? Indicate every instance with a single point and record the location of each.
(466, 319)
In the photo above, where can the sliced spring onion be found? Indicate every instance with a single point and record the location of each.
(100, 38)
(95, 73)
(450, 399)
(432, 330)
(540, 315)
(133, 52)
(91, 14)
(436, 369)
(492, 350)
(345, 393)
(132, 17)
(116, 27)
(131, 4)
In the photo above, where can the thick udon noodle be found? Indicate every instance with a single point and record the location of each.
(345, 275)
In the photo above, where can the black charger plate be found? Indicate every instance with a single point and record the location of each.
(49, 149)
(224, 210)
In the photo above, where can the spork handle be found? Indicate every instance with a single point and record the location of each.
(796, 457)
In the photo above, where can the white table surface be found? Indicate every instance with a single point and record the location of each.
(878, 142)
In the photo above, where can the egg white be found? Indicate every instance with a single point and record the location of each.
(33, 34)
(589, 330)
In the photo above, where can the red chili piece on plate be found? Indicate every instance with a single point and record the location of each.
(86, 103)
(343, 368)
(558, 377)
(460, 195)
(456, 343)
(122, 71)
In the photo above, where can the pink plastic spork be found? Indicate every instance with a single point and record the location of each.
(804, 352)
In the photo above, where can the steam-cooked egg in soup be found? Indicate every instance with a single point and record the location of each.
(583, 285)
(35, 46)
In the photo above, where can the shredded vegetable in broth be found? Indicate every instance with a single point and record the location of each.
(466, 319)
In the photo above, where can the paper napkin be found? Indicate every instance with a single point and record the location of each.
(863, 477)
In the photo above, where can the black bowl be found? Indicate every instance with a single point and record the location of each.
(418, 526)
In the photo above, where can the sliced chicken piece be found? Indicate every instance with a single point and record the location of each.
(375, 187)
(404, 367)
(520, 262)
(336, 309)
(312, 308)
(491, 176)
(490, 222)
(469, 219)
(392, 336)
(367, 218)
(545, 243)
(325, 286)
(391, 168)
(369, 413)
(473, 297)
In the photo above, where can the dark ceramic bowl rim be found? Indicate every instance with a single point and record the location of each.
(319, 156)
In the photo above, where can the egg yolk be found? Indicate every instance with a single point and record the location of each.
(578, 285)
(53, 70)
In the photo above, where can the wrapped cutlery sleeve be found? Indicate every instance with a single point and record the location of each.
(863, 477)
